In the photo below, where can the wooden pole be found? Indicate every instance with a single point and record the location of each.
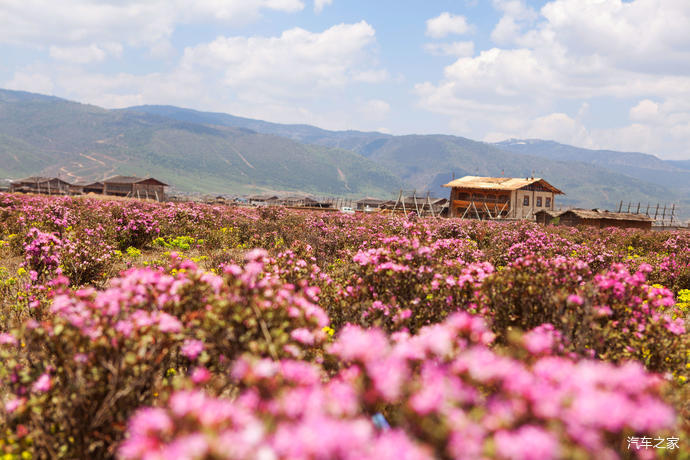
(476, 211)
(638, 208)
(620, 206)
(673, 211)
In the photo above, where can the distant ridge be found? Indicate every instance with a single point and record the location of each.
(51, 136)
(218, 153)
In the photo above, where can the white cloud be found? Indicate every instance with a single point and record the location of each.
(83, 23)
(646, 110)
(298, 76)
(85, 54)
(457, 49)
(375, 109)
(577, 51)
(319, 5)
(447, 24)
(516, 16)
(295, 63)
(31, 82)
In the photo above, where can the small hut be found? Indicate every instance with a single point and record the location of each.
(262, 200)
(39, 184)
(135, 187)
(595, 218)
(369, 203)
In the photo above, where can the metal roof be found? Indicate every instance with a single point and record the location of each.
(129, 180)
(601, 214)
(500, 183)
(38, 179)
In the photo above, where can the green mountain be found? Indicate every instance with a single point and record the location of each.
(51, 136)
(220, 153)
(426, 162)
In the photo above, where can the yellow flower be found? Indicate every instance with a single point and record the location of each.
(21, 271)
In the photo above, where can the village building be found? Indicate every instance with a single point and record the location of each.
(595, 218)
(262, 200)
(38, 184)
(369, 203)
(134, 187)
(500, 197)
(84, 188)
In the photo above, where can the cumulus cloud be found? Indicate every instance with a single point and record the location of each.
(280, 78)
(375, 109)
(447, 24)
(458, 49)
(569, 53)
(288, 65)
(83, 23)
(319, 5)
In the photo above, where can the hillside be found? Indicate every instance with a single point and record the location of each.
(47, 135)
(220, 153)
(426, 162)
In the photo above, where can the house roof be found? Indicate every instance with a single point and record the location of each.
(298, 198)
(87, 184)
(38, 179)
(600, 214)
(130, 180)
(500, 183)
(262, 197)
(369, 200)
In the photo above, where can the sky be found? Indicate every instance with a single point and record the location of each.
(605, 74)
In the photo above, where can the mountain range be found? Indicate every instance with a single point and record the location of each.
(218, 153)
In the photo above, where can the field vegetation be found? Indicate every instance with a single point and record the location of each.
(139, 330)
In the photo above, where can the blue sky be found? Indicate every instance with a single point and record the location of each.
(593, 73)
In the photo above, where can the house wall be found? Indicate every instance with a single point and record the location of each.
(522, 212)
(150, 191)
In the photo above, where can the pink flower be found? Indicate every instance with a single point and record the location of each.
(43, 384)
(13, 404)
(576, 299)
(527, 443)
(168, 323)
(192, 348)
(200, 375)
(7, 339)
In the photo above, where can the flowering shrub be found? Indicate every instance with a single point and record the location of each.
(400, 284)
(343, 336)
(103, 354)
(444, 393)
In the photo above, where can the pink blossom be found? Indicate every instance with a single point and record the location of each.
(42, 384)
(192, 348)
(527, 443)
(200, 375)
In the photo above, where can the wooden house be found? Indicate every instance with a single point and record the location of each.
(38, 184)
(370, 203)
(84, 188)
(135, 187)
(262, 200)
(500, 197)
(595, 218)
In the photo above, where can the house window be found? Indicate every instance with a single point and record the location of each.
(548, 202)
(539, 202)
(525, 201)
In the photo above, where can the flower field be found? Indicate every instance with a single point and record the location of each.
(139, 330)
